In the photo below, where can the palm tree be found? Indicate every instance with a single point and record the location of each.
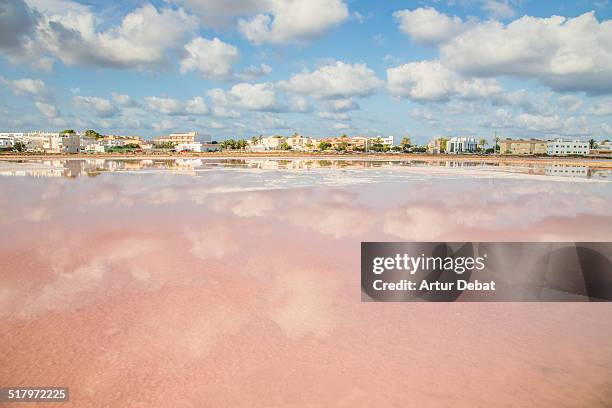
(483, 143)
(405, 143)
(592, 143)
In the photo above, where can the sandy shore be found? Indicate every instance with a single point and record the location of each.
(492, 159)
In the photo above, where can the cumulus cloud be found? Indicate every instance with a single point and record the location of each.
(498, 8)
(27, 87)
(215, 13)
(214, 58)
(50, 112)
(333, 115)
(427, 25)
(568, 54)
(170, 106)
(293, 21)
(124, 100)
(603, 107)
(341, 126)
(342, 105)
(257, 97)
(253, 72)
(142, 39)
(431, 81)
(268, 122)
(222, 112)
(335, 81)
(299, 104)
(271, 21)
(17, 21)
(164, 125)
(551, 125)
(100, 106)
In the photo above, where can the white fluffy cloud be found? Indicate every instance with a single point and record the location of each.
(336, 81)
(271, 21)
(431, 81)
(498, 8)
(169, 106)
(293, 21)
(215, 13)
(142, 39)
(124, 100)
(603, 107)
(212, 58)
(568, 54)
(257, 97)
(299, 104)
(333, 115)
(342, 105)
(546, 124)
(427, 25)
(341, 126)
(100, 106)
(253, 72)
(26, 86)
(50, 112)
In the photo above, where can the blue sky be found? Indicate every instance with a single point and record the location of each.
(240, 68)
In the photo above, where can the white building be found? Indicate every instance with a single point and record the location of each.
(91, 145)
(14, 136)
(266, 143)
(189, 147)
(385, 141)
(566, 171)
(48, 142)
(301, 143)
(6, 142)
(71, 143)
(561, 147)
(458, 145)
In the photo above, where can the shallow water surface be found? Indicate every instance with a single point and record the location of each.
(197, 282)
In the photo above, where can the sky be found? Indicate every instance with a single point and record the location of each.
(239, 68)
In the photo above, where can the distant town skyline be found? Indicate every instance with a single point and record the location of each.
(235, 69)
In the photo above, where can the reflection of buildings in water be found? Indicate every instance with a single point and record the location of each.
(307, 164)
(567, 171)
(91, 167)
(451, 163)
(33, 172)
(189, 163)
(601, 173)
(46, 168)
(190, 166)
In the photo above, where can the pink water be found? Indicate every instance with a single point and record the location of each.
(215, 283)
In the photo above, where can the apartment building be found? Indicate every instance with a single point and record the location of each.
(120, 141)
(91, 145)
(458, 145)
(603, 149)
(522, 147)
(71, 143)
(6, 142)
(300, 143)
(561, 147)
(189, 147)
(176, 138)
(359, 143)
(47, 142)
(261, 143)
